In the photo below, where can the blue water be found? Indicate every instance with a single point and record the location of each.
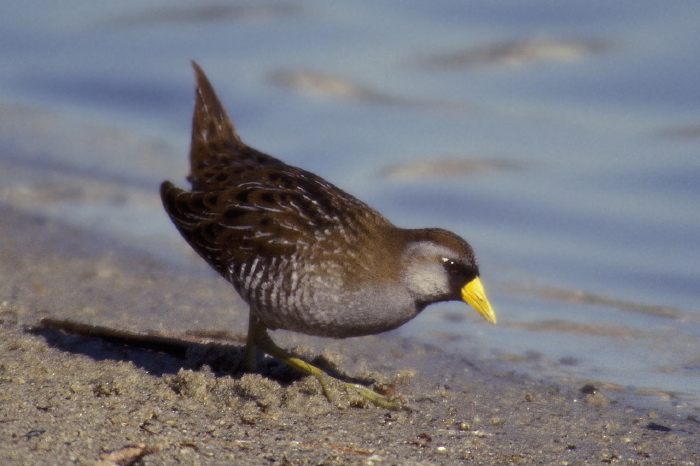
(574, 134)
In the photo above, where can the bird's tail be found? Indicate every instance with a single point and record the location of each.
(214, 138)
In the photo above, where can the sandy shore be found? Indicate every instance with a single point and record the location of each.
(70, 399)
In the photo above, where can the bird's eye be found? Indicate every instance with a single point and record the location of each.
(449, 264)
(457, 270)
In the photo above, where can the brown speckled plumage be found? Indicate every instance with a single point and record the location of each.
(304, 254)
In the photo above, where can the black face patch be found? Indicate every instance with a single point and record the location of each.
(459, 274)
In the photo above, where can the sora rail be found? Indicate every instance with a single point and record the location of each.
(305, 255)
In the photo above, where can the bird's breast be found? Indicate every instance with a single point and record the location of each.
(317, 298)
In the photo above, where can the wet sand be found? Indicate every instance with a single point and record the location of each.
(69, 399)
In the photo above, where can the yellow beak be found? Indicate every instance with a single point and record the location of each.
(473, 294)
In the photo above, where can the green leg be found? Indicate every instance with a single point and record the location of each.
(250, 360)
(258, 336)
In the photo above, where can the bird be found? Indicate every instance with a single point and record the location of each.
(303, 254)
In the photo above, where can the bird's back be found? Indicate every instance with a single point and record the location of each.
(246, 206)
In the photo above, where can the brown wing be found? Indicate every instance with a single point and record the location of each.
(223, 234)
(270, 216)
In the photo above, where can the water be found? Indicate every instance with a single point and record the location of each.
(562, 142)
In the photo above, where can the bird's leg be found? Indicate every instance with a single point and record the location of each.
(257, 334)
(250, 356)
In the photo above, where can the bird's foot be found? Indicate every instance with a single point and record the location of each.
(374, 397)
(258, 337)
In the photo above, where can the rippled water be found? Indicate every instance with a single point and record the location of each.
(562, 142)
